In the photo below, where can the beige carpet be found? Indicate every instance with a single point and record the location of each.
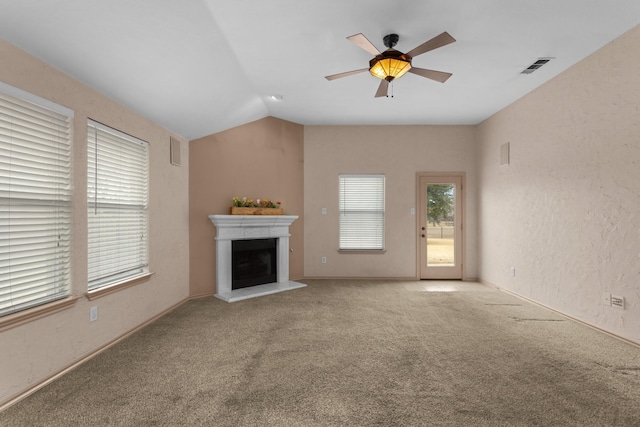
(351, 353)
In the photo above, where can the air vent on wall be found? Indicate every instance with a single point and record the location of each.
(504, 154)
(174, 151)
(536, 65)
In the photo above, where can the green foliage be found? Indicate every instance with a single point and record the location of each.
(440, 202)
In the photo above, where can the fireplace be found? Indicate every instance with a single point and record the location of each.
(253, 262)
(262, 246)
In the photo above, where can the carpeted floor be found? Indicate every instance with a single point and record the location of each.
(351, 353)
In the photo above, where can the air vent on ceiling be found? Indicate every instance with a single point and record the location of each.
(533, 67)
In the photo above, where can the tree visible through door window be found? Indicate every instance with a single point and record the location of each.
(440, 224)
(440, 199)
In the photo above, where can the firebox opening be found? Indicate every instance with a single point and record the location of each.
(253, 262)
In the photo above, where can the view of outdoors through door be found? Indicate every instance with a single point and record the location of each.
(440, 220)
(440, 226)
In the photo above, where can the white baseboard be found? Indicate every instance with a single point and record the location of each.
(590, 325)
(48, 380)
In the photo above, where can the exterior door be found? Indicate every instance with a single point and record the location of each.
(440, 226)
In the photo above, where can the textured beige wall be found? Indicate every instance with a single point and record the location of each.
(262, 159)
(399, 152)
(36, 350)
(566, 212)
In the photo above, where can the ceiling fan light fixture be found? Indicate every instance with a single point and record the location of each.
(390, 65)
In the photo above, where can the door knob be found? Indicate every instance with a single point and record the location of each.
(423, 235)
(422, 228)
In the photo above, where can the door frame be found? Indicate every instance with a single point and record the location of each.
(462, 215)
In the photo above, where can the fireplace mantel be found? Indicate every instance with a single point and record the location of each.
(248, 227)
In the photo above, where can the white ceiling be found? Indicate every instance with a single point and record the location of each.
(198, 67)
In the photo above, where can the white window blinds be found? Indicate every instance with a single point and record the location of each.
(117, 192)
(35, 202)
(362, 212)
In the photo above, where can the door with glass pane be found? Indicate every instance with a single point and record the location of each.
(440, 226)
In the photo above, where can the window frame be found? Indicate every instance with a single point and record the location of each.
(374, 205)
(45, 143)
(117, 198)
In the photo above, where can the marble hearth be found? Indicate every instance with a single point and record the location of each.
(248, 227)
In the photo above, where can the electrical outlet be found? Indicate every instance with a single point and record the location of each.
(617, 301)
(606, 298)
(93, 314)
(512, 272)
(324, 259)
(324, 211)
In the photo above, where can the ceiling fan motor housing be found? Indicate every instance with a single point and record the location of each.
(390, 40)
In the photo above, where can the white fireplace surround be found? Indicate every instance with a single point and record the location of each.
(249, 227)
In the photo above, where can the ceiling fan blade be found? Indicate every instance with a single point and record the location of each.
(436, 42)
(348, 73)
(439, 76)
(382, 89)
(364, 43)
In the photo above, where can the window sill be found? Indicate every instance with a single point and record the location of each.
(115, 287)
(25, 316)
(362, 251)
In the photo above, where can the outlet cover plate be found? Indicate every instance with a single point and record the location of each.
(93, 314)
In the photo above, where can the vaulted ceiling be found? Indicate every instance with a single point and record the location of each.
(198, 67)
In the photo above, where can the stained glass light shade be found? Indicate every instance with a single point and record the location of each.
(390, 65)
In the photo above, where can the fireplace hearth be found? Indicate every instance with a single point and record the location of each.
(263, 243)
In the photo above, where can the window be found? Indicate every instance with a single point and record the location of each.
(35, 201)
(117, 193)
(361, 212)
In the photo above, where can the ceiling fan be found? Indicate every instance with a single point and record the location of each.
(392, 64)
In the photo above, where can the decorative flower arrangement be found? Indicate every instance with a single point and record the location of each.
(258, 203)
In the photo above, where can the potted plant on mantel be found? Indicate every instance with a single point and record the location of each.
(246, 206)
